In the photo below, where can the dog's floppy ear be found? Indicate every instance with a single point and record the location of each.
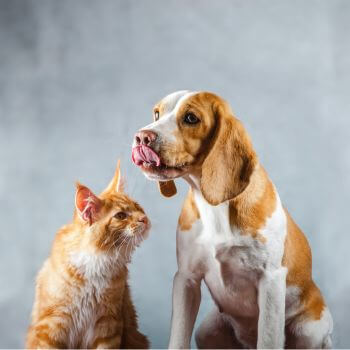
(231, 160)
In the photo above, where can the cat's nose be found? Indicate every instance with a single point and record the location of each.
(143, 219)
(145, 137)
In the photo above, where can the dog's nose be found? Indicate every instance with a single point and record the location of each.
(145, 137)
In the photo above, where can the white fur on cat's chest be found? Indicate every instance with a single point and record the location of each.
(84, 315)
(86, 308)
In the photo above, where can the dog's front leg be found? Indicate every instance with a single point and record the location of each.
(272, 297)
(186, 300)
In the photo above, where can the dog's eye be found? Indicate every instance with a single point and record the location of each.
(190, 118)
(156, 115)
(121, 215)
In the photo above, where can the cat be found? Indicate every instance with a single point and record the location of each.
(82, 295)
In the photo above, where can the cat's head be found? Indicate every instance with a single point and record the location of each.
(111, 222)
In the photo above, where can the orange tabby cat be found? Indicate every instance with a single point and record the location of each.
(82, 295)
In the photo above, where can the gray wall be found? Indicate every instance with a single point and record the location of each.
(78, 78)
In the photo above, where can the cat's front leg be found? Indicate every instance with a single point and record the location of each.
(49, 333)
(112, 342)
(108, 333)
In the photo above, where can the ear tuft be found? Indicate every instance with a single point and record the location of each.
(167, 188)
(117, 183)
(87, 203)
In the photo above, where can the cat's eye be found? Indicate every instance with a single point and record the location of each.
(190, 118)
(121, 215)
(156, 115)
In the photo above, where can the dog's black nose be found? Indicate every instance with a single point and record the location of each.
(145, 137)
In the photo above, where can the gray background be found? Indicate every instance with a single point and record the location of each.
(78, 78)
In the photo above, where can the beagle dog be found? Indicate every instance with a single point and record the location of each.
(233, 233)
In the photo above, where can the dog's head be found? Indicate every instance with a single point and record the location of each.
(196, 133)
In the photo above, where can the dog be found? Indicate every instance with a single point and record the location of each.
(233, 233)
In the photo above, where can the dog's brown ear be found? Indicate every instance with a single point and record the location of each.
(167, 188)
(230, 162)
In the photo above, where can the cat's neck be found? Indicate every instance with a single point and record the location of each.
(93, 265)
(81, 262)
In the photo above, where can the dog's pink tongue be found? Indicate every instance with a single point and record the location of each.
(144, 154)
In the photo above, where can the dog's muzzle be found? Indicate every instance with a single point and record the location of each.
(142, 153)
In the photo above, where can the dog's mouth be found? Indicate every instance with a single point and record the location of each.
(150, 163)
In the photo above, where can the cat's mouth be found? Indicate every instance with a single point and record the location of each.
(132, 237)
(142, 230)
(151, 164)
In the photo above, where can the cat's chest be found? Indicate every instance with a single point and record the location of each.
(88, 307)
(85, 312)
(97, 296)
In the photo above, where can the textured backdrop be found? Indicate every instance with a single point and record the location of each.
(78, 78)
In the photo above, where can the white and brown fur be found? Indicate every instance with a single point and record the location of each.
(233, 234)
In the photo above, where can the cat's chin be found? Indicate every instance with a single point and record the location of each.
(125, 251)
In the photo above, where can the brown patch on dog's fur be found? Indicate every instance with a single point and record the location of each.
(189, 213)
(297, 258)
(250, 210)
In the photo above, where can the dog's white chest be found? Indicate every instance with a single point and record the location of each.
(229, 263)
(232, 273)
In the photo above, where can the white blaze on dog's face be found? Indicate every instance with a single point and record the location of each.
(164, 115)
(195, 132)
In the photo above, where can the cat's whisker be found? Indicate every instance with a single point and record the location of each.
(131, 246)
(127, 250)
(131, 250)
(139, 240)
(123, 242)
(120, 238)
(105, 242)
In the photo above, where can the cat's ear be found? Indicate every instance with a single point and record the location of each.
(117, 183)
(87, 204)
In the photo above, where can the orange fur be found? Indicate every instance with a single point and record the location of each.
(250, 210)
(297, 258)
(189, 213)
(83, 303)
